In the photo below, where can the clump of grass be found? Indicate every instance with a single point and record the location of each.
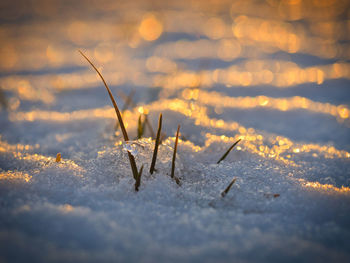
(58, 157)
(140, 127)
(174, 157)
(228, 151)
(154, 158)
(121, 123)
(128, 101)
(228, 187)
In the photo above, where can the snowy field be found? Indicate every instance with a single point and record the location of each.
(275, 74)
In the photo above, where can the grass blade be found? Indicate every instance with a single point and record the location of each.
(139, 128)
(138, 180)
(127, 102)
(120, 119)
(228, 187)
(174, 157)
(154, 158)
(228, 151)
(149, 126)
(121, 123)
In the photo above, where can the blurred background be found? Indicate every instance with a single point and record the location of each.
(258, 62)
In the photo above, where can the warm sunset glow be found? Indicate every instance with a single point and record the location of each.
(228, 50)
(283, 104)
(9, 56)
(14, 176)
(143, 110)
(282, 148)
(93, 96)
(150, 28)
(158, 64)
(256, 72)
(78, 32)
(104, 52)
(54, 55)
(325, 188)
(67, 208)
(215, 28)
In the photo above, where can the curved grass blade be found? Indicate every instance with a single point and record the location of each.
(127, 102)
(228, 187)
(228, 151)
(174, 157)
(120, 119)
(154, 158)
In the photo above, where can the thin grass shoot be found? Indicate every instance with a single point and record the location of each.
(224, 193)
(174, 157)
(228, 151)
(140, 127)
(120, 119)
(156, 145)
(138, 179)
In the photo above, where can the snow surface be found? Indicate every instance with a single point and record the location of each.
(291, 199)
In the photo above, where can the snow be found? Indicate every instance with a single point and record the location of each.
(290, 201)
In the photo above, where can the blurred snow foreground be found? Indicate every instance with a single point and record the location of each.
(225, 71)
